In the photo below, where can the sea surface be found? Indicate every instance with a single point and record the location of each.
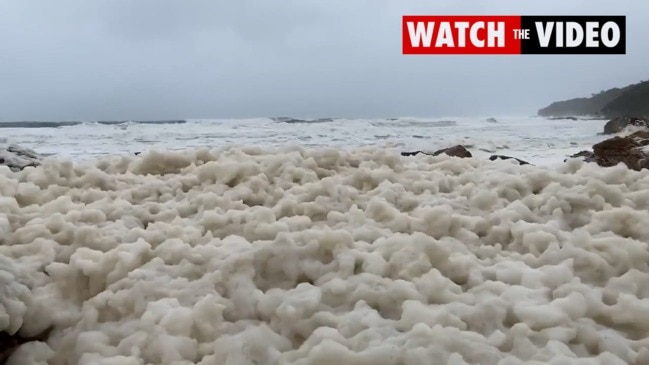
(537, 140)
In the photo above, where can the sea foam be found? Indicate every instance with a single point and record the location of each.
(321, 256)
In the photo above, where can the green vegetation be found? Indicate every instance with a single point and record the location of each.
(632, 100)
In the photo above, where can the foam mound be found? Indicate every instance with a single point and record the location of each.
(318, 256)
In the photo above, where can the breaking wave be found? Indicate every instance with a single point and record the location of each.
(322, 256)
(414, 123)
(68, 124)
(302, 121)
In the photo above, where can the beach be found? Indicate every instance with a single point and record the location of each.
(245, 253)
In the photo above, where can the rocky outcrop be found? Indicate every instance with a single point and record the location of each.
(17, 158)
(491, 120)
(618, 124)
(632, 150)
(455, 151)
(501, 157)
(588, 156)
(629, 150)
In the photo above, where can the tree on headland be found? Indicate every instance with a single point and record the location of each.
(629, 100)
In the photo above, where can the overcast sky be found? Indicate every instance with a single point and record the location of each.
(158, 59)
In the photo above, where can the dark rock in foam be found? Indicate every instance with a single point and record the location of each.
(502, 157)
(17, 158)
(618, 124)
(630, 150)
(455, 151)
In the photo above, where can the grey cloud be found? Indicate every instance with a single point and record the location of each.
(114, 59)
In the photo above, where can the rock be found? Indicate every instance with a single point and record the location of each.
(415, 153)
(17, 158)
(455, 151)
(641, 137)
(501, 157)
(491, 120)
(588, 156)
(618, 124)
(630, 150)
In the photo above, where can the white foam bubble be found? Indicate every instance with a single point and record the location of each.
(316, 256)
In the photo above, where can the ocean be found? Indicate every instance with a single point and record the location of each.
(271, 241)
(537, 140)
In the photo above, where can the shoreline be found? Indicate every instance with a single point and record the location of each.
(305, 253)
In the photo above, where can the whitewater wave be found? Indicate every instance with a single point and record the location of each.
(407, 122)
(289, 120)
(322, 256)
(527, 139)
(76, 123)
(389, 122)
